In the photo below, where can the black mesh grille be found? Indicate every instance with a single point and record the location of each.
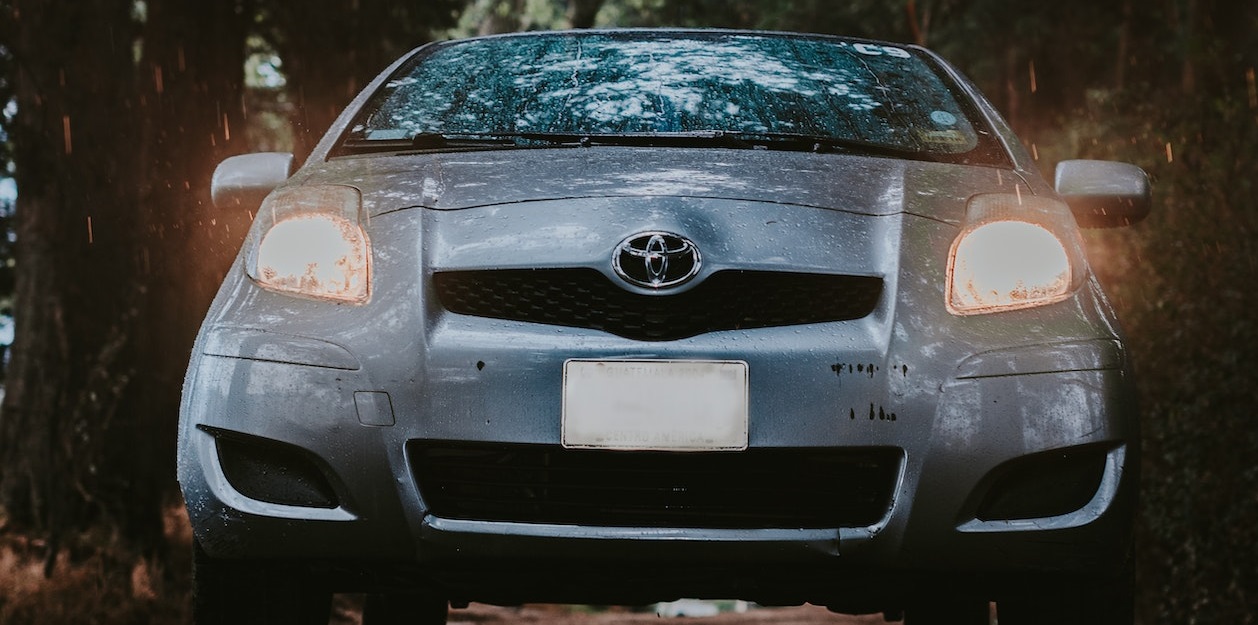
(727, 300)
(273, 472)
(1045, 485)
(757, 488)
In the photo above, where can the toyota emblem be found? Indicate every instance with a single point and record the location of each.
(656, 260)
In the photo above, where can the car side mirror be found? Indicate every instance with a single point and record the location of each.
(1104, 194)
(243, 181)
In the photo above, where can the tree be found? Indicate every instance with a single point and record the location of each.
(118, 249)
(190, 87)
(6, 205)
(73, 235)
(113, 165)
(332, 48)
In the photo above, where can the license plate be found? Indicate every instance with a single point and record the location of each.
(661, 405)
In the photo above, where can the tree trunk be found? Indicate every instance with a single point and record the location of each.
(1191, 47)
(75, 294)
(191, 80)
(1124, 44)
(581, 13)
(1013, 92)
(118, 252)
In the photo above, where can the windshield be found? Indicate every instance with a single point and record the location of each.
(605, 84)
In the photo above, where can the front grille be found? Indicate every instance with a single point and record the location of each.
(756, 488)
(727, 300)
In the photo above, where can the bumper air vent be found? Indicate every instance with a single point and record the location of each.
(1044, 485)
(273, 472)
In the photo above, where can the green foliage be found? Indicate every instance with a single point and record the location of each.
(860, 18)
(1182, 283)
(492, 16)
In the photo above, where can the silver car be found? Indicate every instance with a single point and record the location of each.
(629, 316)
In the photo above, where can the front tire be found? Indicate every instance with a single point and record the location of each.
(419, 608)
(1108, 601)
(245, 592)
(948, 610)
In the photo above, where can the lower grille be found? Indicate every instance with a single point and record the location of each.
(756, 488)
(726, 300)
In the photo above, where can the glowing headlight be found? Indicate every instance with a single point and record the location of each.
(312, 248)
(1012, 256)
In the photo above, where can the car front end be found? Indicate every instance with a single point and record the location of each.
(632, 373)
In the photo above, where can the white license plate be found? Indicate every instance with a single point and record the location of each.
(664, 405)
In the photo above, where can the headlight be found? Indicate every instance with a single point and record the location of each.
(313, 245)
(1012, 256)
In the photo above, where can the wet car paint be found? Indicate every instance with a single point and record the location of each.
(961, 396)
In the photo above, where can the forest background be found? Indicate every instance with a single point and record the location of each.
(113, 114)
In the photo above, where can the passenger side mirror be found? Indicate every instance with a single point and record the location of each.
(1104, 194)
(243, 181)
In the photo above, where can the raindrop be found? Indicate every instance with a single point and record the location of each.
(65, 128)
(1253, 88)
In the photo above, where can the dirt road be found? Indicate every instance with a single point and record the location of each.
(552, 615)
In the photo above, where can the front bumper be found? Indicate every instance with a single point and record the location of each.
(977, 437)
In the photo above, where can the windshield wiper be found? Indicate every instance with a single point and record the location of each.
(803, 142)
(794, 142)
(428, 141)
(698, 138)
(497, 140)
(433, 140)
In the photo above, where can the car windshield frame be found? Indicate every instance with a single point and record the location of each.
(962, 120)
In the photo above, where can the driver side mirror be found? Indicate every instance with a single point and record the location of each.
(244, 181)
(1104, 194)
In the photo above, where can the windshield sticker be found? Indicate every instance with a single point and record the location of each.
(389, 134)
(943, 118)
(942, 137)
(873, 50)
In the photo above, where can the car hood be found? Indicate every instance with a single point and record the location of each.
(856, 184)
